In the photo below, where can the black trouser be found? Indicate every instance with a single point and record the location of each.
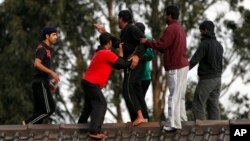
(145, 84)
(132, 92)
(43, 103)
(95, 106)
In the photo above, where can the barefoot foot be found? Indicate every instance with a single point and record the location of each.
(138, 121)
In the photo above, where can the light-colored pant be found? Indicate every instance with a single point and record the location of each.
(177, 83)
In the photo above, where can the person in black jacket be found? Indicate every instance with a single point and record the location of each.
(132, 49)
(209, 55)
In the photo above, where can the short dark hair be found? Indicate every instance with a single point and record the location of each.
(208, 25)
(47, 30)
(173, 11)
(141, 26)
(126, 15)
(105, 37)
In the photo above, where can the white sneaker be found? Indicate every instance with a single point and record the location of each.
(169, 129)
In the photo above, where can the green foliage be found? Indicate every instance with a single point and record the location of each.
(240, 106)
(17, 48)
(241, 47)
(76, 20)
(21, 22)
(242, 42)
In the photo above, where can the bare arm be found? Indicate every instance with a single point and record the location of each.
(100, 28)
(38, 64)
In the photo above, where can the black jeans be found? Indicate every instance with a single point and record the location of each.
(95, 106)
(132, 92)
(145, 84)
(43, 103)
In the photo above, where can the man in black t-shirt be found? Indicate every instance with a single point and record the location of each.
(132, 50)
(43, 101)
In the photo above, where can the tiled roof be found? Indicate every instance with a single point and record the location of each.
(151, 131)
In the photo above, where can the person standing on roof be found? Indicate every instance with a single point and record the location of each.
(173, 46)
(132, 49)
(94, 79)
(209, 55)
(146, 72)
(44, 104)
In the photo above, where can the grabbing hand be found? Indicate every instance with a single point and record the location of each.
(53, 86)
(55, 76)
(135, 60)
(121, 49)
(143, 40)
(100, 27)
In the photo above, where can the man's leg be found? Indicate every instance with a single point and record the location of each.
(127, 95)
(138, 89)
(176, 99)
(43, 103)
(182, 86)
(145, 84)
(202, 91)
(87, 108)
(99, 107)
(213, 108)
(132, 92)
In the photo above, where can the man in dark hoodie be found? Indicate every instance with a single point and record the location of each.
(209, 55)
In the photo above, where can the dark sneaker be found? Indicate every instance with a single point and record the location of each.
(166, 122)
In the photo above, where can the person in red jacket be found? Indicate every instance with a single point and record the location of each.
(94, 79)
(173, 46)
(130, 36)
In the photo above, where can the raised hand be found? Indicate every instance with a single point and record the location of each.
(100, 27)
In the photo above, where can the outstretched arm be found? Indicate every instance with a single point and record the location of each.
(198, 55)
(100, 28)
(121, 63)
(165, 41)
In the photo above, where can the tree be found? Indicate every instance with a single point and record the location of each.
(17, 40)
(240, 52)
(75, 19)
(21, 22)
